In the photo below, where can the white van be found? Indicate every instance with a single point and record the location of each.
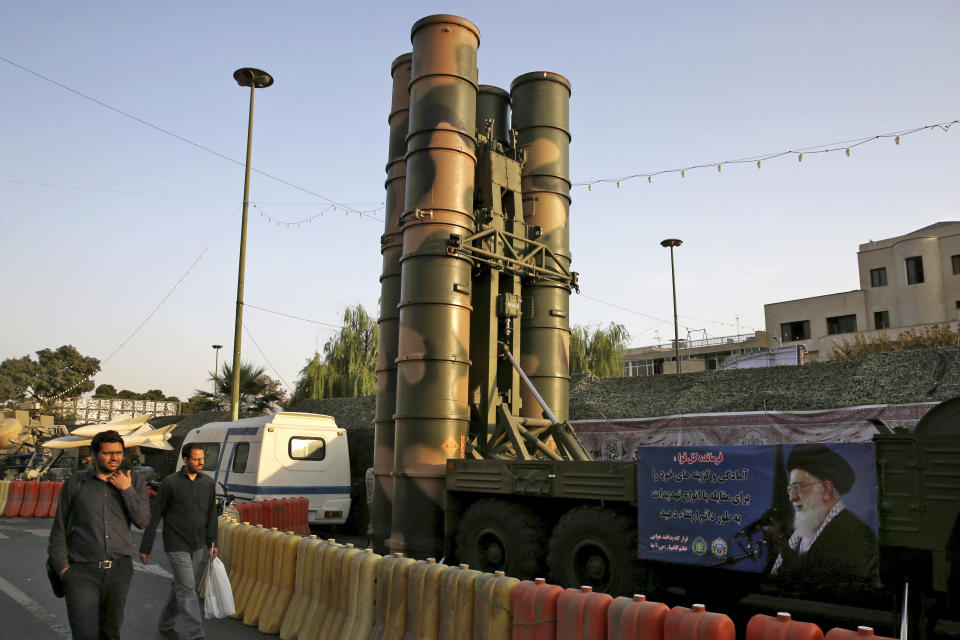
(281, 456)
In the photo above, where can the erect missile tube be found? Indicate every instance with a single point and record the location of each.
(541, 118)
(494, 103)
(432, 411)
(391, 246)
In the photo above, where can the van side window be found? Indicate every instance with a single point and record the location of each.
(240, 455)
(211, 453)
(303, 448)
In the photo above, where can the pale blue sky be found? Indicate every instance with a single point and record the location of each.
(102, 215)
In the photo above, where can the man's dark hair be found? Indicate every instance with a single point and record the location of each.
(105, 436)
(188, 448)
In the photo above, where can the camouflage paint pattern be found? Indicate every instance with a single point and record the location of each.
(494, 103)
(432, 410)
(541, 118)
(391, 247)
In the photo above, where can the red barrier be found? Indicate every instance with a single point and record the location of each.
(782, 627)
(535, 610)
(303, 517)
(15, 499)
(31, 491)
(55, 501)
(862, 633)
(696, 624)
(636, 619)
(43, 499)
(582, 614)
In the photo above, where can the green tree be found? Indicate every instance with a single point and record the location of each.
(258, 391)
(153, 394)
(598, 351)
(348, 367)
(105, 391)
(54, 373)
(126, 394)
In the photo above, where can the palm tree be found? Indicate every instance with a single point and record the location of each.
(258, 391)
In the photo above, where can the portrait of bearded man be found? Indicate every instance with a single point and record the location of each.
(830, 549)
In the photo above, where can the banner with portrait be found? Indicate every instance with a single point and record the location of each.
(737, 506)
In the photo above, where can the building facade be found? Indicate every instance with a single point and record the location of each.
(707, 354)
(910, 282)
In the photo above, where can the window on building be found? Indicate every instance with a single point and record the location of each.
(881, 319)
(878, 277)
(841, 324)
(915, 270)
(799, 330)
(955, 261)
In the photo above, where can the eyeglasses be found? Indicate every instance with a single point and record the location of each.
(797, 487)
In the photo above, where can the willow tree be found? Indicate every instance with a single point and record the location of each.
(598, 351)
(348, 366)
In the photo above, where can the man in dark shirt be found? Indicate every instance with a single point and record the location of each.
(90, 539)
(187, 504)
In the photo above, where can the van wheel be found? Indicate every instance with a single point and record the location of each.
(596, 547)
(496, 535)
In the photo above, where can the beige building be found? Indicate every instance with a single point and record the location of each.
(707, 354)
(908, 282)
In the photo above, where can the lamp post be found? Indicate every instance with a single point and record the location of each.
(255, 79)
(216, 365)
(674, 242)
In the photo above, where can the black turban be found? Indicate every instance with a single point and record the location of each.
(824, 463)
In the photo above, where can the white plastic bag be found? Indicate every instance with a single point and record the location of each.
(218, 597)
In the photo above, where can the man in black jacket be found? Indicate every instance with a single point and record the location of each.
(90, 539)
(187, 505)
(831, 550)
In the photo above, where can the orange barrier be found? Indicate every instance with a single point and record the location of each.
(31, 491)
(44, 498)
(535, 610)
(862, 633)
(637, 619)
(15, 499)
(582, 614)
(286, 514)
(696, 623)
(55, 501)
(782, 627)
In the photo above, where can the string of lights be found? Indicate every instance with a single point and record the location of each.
(845, 146)
(371, 215)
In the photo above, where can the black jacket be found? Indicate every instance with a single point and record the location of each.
(189, 512)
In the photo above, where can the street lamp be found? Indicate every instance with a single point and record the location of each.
(255, 79)
(674, 242)
(216, 365)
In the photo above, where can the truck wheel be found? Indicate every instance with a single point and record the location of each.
(496, 535)
(596, 547)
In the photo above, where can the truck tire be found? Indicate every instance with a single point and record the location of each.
(497, 535)
(596, 547)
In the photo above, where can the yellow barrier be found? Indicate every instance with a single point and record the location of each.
(362, 578)
(268, 567)
(303, 589)
(320, 607)
(239, 559)
(457, 589)
(4, 494)
(390, 618)
(337, 614)
(423, 600)
(275, 608)
(493, 606)
(251, 569)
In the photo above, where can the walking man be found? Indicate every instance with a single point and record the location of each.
(90, 539)
(187, 505)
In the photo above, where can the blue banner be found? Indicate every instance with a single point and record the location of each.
(736, 506)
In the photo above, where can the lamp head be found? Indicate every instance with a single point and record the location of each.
(671, 242)
(257, 78)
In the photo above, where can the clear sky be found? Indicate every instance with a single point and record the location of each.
(101, 215)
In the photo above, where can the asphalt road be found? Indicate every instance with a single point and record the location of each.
(29, 610)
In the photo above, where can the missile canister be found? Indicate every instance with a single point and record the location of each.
(494, 103)
(391, 247)
(541, 117)
(432, 411)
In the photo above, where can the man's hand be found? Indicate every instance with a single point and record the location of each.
(145, 558)
(213, 552)
(120, 480)
(63, 571)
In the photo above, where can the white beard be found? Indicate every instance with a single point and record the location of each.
(811, 514)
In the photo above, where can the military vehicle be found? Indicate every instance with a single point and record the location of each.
(474, 459)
